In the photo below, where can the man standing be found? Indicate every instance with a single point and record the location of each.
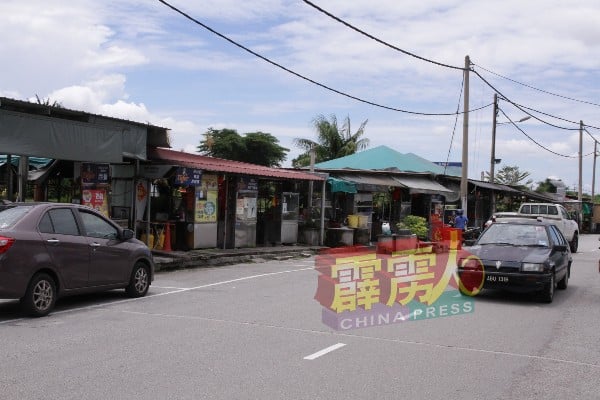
(460, 221)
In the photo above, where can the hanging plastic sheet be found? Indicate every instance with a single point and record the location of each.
(340, 185)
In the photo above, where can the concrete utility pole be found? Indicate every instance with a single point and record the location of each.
(493, 157)
(465, 149)
(594, 170)
(580, 193)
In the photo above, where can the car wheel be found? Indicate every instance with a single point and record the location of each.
(564, 282)
(574, 244)
(547, 294)
(140, 281)
(40, 296)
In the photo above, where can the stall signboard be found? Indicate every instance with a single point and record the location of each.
(94, 174)
(206, 199)
(187, 176)
(246, 183)
(96, 199)
(206, 209)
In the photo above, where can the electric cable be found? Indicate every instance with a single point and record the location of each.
(539, 90)
(522, 109)
(306, 78)
(341, 21)
(532, 139)
(462, 88)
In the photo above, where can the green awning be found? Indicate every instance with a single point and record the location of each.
(341, 185)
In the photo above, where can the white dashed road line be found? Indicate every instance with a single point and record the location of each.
(324, 351)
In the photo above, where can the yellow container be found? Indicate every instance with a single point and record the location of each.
(353, 221)
(149, 240)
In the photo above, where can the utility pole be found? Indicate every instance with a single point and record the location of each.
(465, 148)
(493, 157)
(594, 170)
(580, 193)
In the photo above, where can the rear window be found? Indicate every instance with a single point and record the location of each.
(9, 215)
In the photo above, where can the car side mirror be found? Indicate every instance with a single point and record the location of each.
(127, 234)
(560, 247)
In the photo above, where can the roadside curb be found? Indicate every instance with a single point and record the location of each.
(170, 261)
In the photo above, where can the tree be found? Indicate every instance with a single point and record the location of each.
(332, 141)
(511, 175)
(255, 147)
(545, 187)
(46, 102)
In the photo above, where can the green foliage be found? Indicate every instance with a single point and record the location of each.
(512, 176)
(417, 225)
(332, 141)
(255, 147)
(546, 187)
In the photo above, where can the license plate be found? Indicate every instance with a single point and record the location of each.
(497, 279)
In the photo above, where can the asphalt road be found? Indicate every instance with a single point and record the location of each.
(255, 332)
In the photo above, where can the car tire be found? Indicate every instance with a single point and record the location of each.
(40, 296)
(574, 244)
(564, 282)
(139, 282)
(547, 294)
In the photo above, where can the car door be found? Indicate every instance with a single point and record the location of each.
(559, 258)
(67, 248)
(109, 256)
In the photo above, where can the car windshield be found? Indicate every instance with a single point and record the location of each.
(515, 234)
(11, 214)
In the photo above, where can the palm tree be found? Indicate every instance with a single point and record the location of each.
(332, 141)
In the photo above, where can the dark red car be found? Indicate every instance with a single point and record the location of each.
(50, 250)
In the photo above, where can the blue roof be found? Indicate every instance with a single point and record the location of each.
(382, 158)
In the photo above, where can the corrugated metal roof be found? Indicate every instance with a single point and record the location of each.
(421, 185)
(379, 180)
(221, 165)
(383, 158)
(493, 186)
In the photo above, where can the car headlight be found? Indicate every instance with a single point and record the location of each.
(533, 267)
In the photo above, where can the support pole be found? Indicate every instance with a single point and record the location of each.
(594, 170)
(493, 156)
(465, 148)
(580, 192)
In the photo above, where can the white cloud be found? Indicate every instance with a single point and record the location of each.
(141, 61)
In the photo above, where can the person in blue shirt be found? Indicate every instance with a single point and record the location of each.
(460, 221)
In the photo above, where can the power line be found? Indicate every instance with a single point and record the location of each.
(462, 86)
(347, 24)
(539, 90)
(341, 21)
(590, 135)
(532, 139)
(304, 77)
(521, 108)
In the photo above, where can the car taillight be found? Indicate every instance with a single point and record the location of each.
(5, 243)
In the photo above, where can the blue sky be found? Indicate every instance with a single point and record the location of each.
(141, 61)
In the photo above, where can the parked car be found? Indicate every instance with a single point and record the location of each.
(499, 215)
(518, 254)
(559, 216)
(50, 250)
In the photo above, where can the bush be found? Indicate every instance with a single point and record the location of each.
(417, 225)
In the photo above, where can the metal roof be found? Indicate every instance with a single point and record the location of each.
(422, 185)
(221, 165)
(383, 158)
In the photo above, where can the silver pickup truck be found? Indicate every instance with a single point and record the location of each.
(559, 215)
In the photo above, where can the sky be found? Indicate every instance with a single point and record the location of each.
(145, 62)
